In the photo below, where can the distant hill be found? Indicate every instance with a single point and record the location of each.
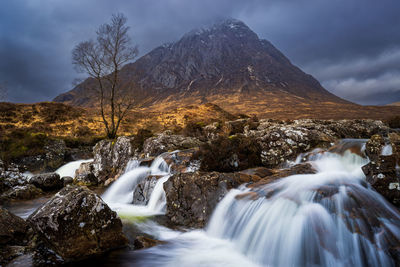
(226, 64)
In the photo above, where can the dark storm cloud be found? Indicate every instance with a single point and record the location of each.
(352, 47)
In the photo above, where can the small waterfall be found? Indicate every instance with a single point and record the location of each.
(120, 194)
(70, 168)
(332, 218)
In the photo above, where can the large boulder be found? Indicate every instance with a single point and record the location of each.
(167, 141)
(47, 181)
(76, 223)
(111, 157)
(191, 197)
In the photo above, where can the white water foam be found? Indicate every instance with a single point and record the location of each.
(70, 168)
(120, 194)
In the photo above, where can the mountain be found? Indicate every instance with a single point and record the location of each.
(226, 64)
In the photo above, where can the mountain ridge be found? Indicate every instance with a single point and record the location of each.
(225, 60)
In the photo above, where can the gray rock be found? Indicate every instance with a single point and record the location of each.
(111, 157)
(47, 181)
(67, 180)
(191, 197)
(167, 141)
(76, 223)
(84, 175)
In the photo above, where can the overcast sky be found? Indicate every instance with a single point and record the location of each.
(351, 46)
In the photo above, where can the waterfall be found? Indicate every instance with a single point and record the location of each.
(119, 196)
(70, 168)
(332, 218)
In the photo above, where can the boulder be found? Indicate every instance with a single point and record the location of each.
(25, 192)
(192, 197)
(141, 242)
(167, 141)
(373, 147)
(76, 223)
(111, 157)
(181, 161)
(47, 181)
(142, 192)
(67, 180)
(382, 175)
(13, 236)
(13, 229)
(84, 175)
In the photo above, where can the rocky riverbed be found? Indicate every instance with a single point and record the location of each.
(181, 180)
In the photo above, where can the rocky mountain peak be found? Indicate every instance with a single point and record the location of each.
(222, 59)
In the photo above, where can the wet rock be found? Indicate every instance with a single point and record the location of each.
(191, 197)
(84, 175)
(111, 157)
(146, 242)
(26, 192)
(182, 161)
(13, 229)
(303, 168)
(373, 147)
(76, 223)
(381, 174)
(229, 154)
(47, 181)
(282, 141)
(167, 141)
(10, 177)
(394, 139)
(67, 180)
(143, 190)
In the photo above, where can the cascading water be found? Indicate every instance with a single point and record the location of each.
(331, 218)
(120, 194)
(70, 168)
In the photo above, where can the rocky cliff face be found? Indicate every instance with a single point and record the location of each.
(226, 59)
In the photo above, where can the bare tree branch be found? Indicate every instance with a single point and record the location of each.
(102, 60)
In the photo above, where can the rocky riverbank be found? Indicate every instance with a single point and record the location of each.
(204, 164)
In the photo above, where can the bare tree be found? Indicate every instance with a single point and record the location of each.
(3, 92)
(102, 60)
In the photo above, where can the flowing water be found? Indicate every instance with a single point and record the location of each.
(120, 194)
(70, 168)
(331, 218)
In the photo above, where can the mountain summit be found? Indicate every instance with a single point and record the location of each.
(226, 63)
